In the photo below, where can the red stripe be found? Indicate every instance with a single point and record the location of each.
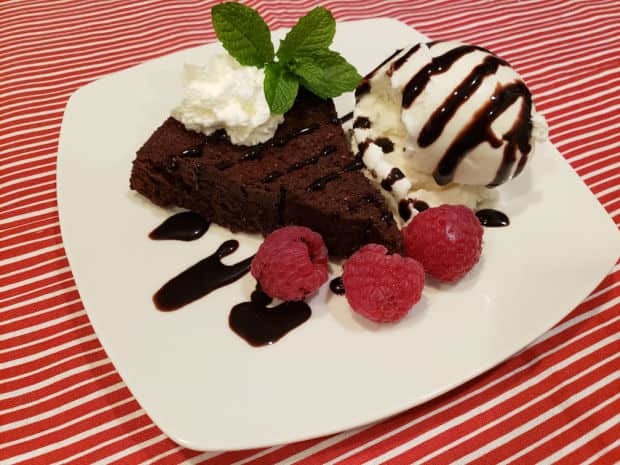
(42, 79)
(582, 453)
(531, 413)
(546, 429)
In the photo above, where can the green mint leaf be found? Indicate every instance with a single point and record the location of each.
(325, 73)
(281, 88)
(243, 33)
(312, 32)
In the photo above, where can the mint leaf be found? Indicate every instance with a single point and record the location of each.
(325, 73)
(281, 88)
(312, 32)
(243, 33)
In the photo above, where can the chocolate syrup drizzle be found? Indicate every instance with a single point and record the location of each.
(385, 143)
(344, 118)
(200, 279)
(320, 183)
(394, 175)
(361, 122)
(313, 160)
(442, 115)
(184, 226)
(364, 86)
(260, 325)
(336, 285)
(479, 130)
(438, 65)
(405, 205)
(255, 153)
(402, 60)
(492, 218)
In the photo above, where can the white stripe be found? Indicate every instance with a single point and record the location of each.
(578, 83)
(16, 362)
(99, 394)
(549, 414)
(596, 159)
(562, 406)
(33, 195)
(41, 340)
(609, 190)
(77, 437)
(35, 279)
(41, 311)
(596, 431)
(611, 111)
(41, 400)
(118, 455)
(15, 233)
(26, 302)
(48, 382)
(611, 135)
(204, 455)
(482, 409)
(603, 451)
(491, 403)
(605, 180)
(52, 365)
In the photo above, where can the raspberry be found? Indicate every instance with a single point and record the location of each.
(446, 240)
(291, 263)
(382, 287)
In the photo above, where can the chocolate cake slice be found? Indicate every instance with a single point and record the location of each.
(306, 175)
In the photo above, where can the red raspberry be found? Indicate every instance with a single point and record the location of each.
(291, 263)
(446, 240)
(382, 287)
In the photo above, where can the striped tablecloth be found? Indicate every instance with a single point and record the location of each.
(62, 401)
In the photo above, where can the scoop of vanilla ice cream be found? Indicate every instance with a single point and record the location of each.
(443, 122)
(222, 94)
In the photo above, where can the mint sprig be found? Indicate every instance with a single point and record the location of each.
(303, 57)
(243, 33)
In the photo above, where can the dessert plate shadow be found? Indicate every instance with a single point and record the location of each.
(207, 388)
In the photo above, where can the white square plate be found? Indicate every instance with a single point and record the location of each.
(207, 388)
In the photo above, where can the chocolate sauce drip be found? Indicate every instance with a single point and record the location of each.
(200, 279)
(260, 325)
(479, 130)
(325, 151)
(184, 226)
(362, 146)
(362, 89)
(193, 152)
(439, 64)
(404, 207)
(492, 218)
(431, 43)
(402, 60)
(386, 144)
(394, 175)
(272, 176)
(442, 115)
(374, 71)
(361, 122)
(320, 183)
(337, 285)
(364, 86)
(345, 118)
(256, 153)
(420, 205)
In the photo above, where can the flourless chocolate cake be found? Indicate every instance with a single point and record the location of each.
(306, 175)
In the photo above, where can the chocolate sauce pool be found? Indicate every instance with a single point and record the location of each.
(492, 218)
(200, 279)
(184, 226)
(260, 325)
(337, 285)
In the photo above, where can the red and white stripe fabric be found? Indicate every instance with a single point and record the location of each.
(61, 401)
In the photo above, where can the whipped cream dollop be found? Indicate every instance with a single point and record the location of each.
(444, 122)
(222, 94)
